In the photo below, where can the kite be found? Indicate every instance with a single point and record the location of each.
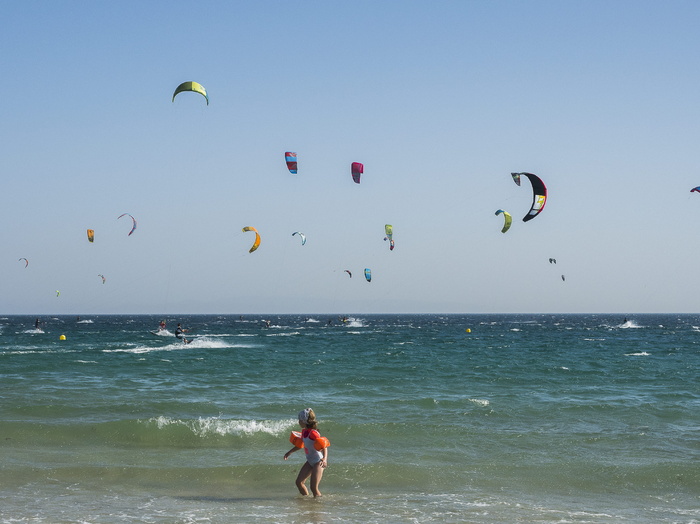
(552, 260)
(133, 227)
(302, 236)
(26, 262)
(348, 272)
(357, 169)
(696, 189)
(257, 238)
(389, 232)
(564, 279)
(91, 235)
(191, 86)
(539, 194)
(291, 159)
(58, 293)
(368, 275)
(508, 220)
(103, 278)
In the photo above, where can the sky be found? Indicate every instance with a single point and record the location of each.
(440, 100)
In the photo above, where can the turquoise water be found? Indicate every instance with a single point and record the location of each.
(527, 418)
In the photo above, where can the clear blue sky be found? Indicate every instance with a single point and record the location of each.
(440, 100)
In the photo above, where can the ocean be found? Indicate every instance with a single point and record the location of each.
(431, 418)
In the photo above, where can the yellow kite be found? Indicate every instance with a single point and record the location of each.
(191, 86)
(257, 238)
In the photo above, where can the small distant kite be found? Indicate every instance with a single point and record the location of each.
(91, 235)
(554, 261)
(348, 272)
(696, 189)
(133, 220)
(389, 232)
(26, 262)
(291, 159)
(356, 170)
(257, 238)
(302, 236)
(58, 293)
(368, 275)
(103, 278)
(191, 86)
(539, 194)
(507, 220)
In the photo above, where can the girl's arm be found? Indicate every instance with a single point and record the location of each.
(286, 455)
(324, 460)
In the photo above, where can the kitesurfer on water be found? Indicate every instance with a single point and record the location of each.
(179, 334)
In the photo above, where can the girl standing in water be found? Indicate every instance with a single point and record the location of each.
(316, 448)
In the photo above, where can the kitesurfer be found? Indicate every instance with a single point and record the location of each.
(161, 326)
(316, 460)
(179, 334)
(37, 324)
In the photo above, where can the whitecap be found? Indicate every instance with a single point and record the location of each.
(204, 426)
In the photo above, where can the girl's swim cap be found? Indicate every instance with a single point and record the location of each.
(304, 415)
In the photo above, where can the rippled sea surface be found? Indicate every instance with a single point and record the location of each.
(431, 418)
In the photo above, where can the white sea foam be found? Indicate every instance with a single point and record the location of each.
(204, 426)
(197, 343)
(479, 402)
(629, 324)
(639, 354)
(292, 333)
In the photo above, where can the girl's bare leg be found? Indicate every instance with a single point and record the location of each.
(304, 473)
(316, 474)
